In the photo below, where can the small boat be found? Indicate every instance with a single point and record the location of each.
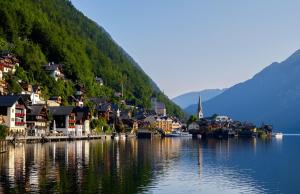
(178, 134)
(278, 135)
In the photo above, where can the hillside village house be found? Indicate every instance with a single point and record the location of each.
(8, 63)
(64, 119)
(37, 120)
(158, 107)
(35, 93)
(54, 101)
(3, 84)
(99, 80)
(13, 113)
(54, 70)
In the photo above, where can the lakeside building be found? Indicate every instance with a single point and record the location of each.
(82, 126)
(37, 120)
(64, 119)
(164, 123)
(13, 113)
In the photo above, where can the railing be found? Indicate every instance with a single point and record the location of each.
(20, 123)
(73, 127)
(20, 106)
(72, 120)
(20, 114)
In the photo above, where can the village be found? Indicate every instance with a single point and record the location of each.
(27, 115)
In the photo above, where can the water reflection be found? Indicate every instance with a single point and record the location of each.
(150, 166)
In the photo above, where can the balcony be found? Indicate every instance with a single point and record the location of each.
(72, 127)
(72, 121)
(20, 106)
(20, 123)
(20, 114)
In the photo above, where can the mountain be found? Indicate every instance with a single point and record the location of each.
(271, 96)
(191, 98)
(39, 32)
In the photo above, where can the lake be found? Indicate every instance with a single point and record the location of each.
(170, 165)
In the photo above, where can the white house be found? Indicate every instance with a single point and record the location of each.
(64, 119)
(223, 119)
(13, 113)
(193, 126)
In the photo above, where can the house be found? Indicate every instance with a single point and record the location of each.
(97, 101)
(8, 63)
(130, 125)
(63, 119)
(82, 126)
(104, 111)
(77, 101)
(99, 81)
(3, 83)
(13, 112)
(223, 119)
(158, 107)
(193, 126)
(164, 123)
(54, 101)
(35, 93)
(176, 125)
(37, 120)
(54, 70)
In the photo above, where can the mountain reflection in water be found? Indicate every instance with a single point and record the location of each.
(153, 166)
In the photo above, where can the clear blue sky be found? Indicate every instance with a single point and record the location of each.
(190, 45)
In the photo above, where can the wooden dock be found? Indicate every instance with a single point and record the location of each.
(55, 138)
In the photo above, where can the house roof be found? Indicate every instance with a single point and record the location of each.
(61, 110)
(104, 107)
(97, 100)
(35, 110)
(26, 98)
(8, 101)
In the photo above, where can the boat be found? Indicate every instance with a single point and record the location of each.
(178, 134)
(278, 135)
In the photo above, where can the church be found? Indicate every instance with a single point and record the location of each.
(200, 109)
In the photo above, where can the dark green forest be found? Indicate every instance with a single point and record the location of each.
(42, 31)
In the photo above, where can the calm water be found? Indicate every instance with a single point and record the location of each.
(153, 166)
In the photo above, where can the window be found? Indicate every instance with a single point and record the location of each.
(12, 119)
(12, 110)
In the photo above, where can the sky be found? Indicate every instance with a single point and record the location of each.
(191, 45)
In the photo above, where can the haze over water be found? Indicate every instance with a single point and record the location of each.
(153, 166)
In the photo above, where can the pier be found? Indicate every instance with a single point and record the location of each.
(39, 139)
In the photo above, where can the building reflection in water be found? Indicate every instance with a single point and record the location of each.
(104, 166)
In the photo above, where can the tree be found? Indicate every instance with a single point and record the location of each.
(192, 119)
(3, 131)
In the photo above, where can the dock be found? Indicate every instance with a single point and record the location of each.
(37, 139)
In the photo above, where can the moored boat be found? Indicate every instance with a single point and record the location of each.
(278, 135)
(178, 134)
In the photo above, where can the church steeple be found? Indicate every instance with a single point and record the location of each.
(200, 110)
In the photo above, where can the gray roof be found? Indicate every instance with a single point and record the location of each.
(35, 110)
(8, 101)
(61, 110)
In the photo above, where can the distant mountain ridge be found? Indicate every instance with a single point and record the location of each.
(271, 96)
(191, 98)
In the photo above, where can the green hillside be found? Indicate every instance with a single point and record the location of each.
(42, 31)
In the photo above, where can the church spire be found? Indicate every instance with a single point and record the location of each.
(200, 110)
